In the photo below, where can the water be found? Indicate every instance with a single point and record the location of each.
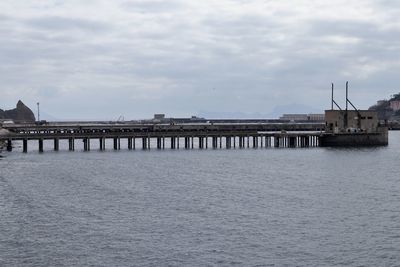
(277, 207)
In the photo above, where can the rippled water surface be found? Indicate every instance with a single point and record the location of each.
(294, 207)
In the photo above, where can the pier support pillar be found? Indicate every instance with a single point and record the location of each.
(71, 144)
(117, 143)
(214, 142)
(276, 141)
(201, 142)
(173, 143)
(40, 145)
(255, 142)
(292, 142)
(9, 145)
(130, 143)
(307, 141)
(102, 143)
(159, 143)
(56, 144)
(187, 142)
(25, 145)
(144, 143)
(228, 142)
(86, 144)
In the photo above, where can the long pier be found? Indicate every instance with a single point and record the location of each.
(161, 136)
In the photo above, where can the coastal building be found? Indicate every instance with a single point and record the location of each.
(344, 127)
(339, 121)
(395, 105)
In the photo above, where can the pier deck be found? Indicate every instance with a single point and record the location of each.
(174, 136)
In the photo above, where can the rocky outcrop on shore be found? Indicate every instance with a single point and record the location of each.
(19, 114)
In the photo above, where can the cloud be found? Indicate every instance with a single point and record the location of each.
(98, 59)
(151, 6)
(54, 23)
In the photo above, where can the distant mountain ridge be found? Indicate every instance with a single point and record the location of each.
(19, 114)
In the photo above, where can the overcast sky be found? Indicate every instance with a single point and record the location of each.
(99, 59)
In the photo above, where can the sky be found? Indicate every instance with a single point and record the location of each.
(104, 60)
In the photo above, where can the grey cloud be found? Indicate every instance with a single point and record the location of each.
(54, 23)
(151, 6)
(179, 64)
(4, 18)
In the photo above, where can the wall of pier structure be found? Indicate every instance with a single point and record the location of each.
(174, 141)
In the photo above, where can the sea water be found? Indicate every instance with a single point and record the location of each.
(245, 207)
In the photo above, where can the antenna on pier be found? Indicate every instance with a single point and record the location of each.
(349, 102)
(333, 100)
(332, 96)
(347, 98)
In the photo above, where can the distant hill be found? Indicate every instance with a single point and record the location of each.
(388, 109)
(19, 114)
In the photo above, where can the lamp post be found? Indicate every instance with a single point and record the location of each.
(38, 111)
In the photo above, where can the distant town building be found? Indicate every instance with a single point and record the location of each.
(294, 117)
(303, 117)
(316, 117)
(159, 116)
(395, 105)
(381, 102)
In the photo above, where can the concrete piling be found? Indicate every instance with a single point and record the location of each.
(25, 145)
(225, 140)
(144, 143)
(102, 143)
(130, 145)
(71, 144)
(56, 144)
(40, 141)
(86, 144)
(276, 141)
(9, 145)
(159, 143)
(228, 142)
(117, 143)
(173, 143)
